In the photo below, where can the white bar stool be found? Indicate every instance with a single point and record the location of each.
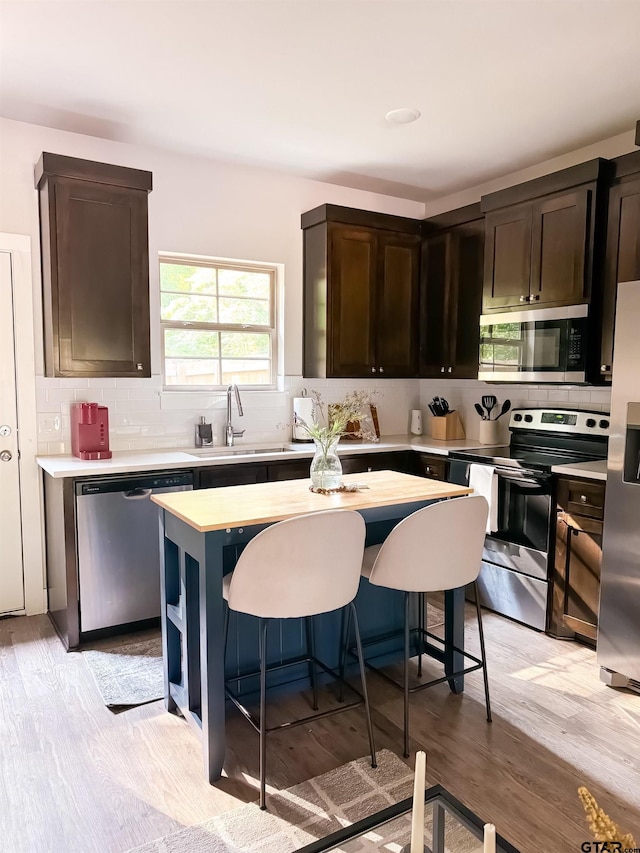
(435, 549)
(296, 569)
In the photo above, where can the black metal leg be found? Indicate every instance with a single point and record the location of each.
(263, 712)
(346, 616)
(406, 674)
(483, 654)
(363, 679)
(420, 631)
(438, 828)
(311, 653)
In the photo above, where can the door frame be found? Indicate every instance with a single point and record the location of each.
(31, 504)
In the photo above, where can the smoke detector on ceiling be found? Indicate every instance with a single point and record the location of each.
(404, 115)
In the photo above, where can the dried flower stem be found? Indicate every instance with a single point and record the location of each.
(600, 824)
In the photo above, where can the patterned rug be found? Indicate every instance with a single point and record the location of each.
(314, 809)
(127, 674)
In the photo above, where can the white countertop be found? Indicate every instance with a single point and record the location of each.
(590, 470)
(127, 461)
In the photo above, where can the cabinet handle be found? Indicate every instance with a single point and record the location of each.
(605, 368)
(524, 299)
(583, 499)
(139, 366)
(534, 298)
(442, 370)
(450, 370)
(373, 370)
(381, 370)
(427, 469)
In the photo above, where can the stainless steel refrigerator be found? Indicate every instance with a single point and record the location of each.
(619, 620)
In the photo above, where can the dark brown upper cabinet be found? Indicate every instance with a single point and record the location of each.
(361, 281)
(540, 240)
(622, 257)
(451, 294)
(95, 267)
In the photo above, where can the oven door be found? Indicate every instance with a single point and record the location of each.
(521, 541)
(548, 345)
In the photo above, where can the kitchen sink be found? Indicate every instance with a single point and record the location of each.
(212, 452)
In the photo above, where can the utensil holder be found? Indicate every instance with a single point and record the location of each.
(447, 427)
(489, 432)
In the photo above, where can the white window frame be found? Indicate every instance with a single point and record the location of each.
(271, 329)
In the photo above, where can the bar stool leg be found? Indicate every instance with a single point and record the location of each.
(346, 624)
(420, 630)
(483, 654)
(363, 679)
(263, 711)
(406, 674)
(311, 653)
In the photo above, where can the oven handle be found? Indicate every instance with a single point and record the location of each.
(524, 478)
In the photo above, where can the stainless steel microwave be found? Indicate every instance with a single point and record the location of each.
(539, 345)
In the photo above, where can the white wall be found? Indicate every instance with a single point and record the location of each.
(197, 206)
(614, 146)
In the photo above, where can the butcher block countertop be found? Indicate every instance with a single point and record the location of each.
(262, 503)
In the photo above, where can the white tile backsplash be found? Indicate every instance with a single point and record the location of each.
(463, 394)
(144, 416)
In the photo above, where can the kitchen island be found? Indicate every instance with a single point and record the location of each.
(203, 533)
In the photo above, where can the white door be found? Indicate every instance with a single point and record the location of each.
(11, 571)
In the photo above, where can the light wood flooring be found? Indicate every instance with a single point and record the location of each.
(76, 778)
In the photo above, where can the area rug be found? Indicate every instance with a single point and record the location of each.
(311, 810)
(127, 675)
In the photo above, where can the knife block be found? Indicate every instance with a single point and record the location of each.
(447, 428)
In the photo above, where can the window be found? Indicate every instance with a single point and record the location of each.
(218, 323)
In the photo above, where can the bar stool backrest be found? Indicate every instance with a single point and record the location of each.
(301, 566)
(436, 548)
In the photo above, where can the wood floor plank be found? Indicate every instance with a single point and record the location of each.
(76, 777)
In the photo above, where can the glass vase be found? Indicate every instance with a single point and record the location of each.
(326, 470)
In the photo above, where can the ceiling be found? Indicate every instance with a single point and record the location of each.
(304, 85)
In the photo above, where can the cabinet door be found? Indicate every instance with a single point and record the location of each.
(351, 309)
(230, 475)
(433, 467)
(465, 301)
(559, 245)
(97, 312)
(622, 260)
(507, 258)
(397, 304)
(578, 558)
(434, 298)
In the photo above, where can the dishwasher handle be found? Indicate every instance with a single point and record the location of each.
(136, 494)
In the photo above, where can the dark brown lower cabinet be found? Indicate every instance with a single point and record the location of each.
(578, 556)
(433, 466)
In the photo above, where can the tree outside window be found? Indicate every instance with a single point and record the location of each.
(218, 323)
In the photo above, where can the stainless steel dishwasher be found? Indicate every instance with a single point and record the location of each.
(119, 547)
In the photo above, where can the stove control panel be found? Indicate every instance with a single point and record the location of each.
(573, 421)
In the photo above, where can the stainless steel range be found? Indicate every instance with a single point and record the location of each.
(517, 480)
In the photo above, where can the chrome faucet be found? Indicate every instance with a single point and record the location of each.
(230, 432)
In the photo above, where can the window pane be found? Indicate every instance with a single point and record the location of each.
(246, 372)
(243, 283)
(187, 278)
(190, 343)
(200, 309)
(245, 311)
(245, 345)
(192, 371)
